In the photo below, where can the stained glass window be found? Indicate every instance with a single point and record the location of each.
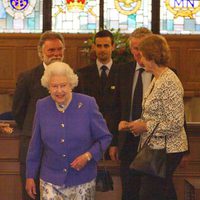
(21, 16)
(180, 16)
(127, 15)
(75, 16)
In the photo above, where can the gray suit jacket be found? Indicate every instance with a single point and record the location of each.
(28, 91)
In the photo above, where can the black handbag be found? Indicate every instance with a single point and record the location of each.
(150, 161)
(104, 180)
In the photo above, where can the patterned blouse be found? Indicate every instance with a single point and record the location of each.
(163, 104)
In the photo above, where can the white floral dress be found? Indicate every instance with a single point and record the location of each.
(85, 191)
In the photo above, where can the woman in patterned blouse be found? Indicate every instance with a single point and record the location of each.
(162, 105)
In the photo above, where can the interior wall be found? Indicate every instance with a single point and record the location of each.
(192, 106)
(5, 103)
(192, 109)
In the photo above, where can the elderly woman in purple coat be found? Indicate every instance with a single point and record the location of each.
(67, 133)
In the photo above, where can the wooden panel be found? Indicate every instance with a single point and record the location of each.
(9, 167)
(7, 57)
(191, 68)
(175, 53)
(10, 187)
(7, 69)
(69, 58)
(192, 189)
(21, 49)
(9, 149)
(30, 55)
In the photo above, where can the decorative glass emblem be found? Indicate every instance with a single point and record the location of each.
(183, 8)
(19, 4)
(127, 7)
(75, 5)
(74, 16)
(19, 9)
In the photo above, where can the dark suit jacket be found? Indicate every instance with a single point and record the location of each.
(28, 91)
(108, 102)
(125, 83)
(124, 86)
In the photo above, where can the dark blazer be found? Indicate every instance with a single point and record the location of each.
(125, 83)
(108, 101)
(124, 86)
(28, 91)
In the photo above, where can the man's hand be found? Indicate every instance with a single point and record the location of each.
(113, 152)
(123, 126)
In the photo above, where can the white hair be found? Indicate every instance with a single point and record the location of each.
(59, 68)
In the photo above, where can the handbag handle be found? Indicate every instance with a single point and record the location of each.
(150, 136)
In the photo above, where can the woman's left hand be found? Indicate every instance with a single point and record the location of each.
(137, 127)
(80, 162)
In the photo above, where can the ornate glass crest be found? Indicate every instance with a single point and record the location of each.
(127, 7)
(183, 8)
(75, 6)
(19, 8)
(19, 4)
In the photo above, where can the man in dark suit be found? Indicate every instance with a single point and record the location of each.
(28, 90)
(99, 80)
(128, 144)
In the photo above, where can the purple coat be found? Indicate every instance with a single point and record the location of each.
(58, 138)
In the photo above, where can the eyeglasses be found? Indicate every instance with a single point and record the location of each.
(62, 86)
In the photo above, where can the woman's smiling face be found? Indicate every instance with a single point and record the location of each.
(59, 89)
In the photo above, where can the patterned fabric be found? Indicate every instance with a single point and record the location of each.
(50, 191)
(163, 104)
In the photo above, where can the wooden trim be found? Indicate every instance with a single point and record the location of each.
(155, 16)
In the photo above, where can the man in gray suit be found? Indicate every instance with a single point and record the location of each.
(51, 48)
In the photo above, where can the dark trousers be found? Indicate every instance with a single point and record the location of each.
(130, 179)
(25, 196)
(153, 188)
(24, 143)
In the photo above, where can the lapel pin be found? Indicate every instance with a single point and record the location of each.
(80, 104)
(112, 87)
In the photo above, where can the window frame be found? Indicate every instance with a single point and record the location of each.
(155, 24)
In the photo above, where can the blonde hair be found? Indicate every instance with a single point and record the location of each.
(59, 68)
(155, 47)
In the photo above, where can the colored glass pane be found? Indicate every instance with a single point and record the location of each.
(127, 15)
(23, 16)
(75, 16)
(180, 16)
